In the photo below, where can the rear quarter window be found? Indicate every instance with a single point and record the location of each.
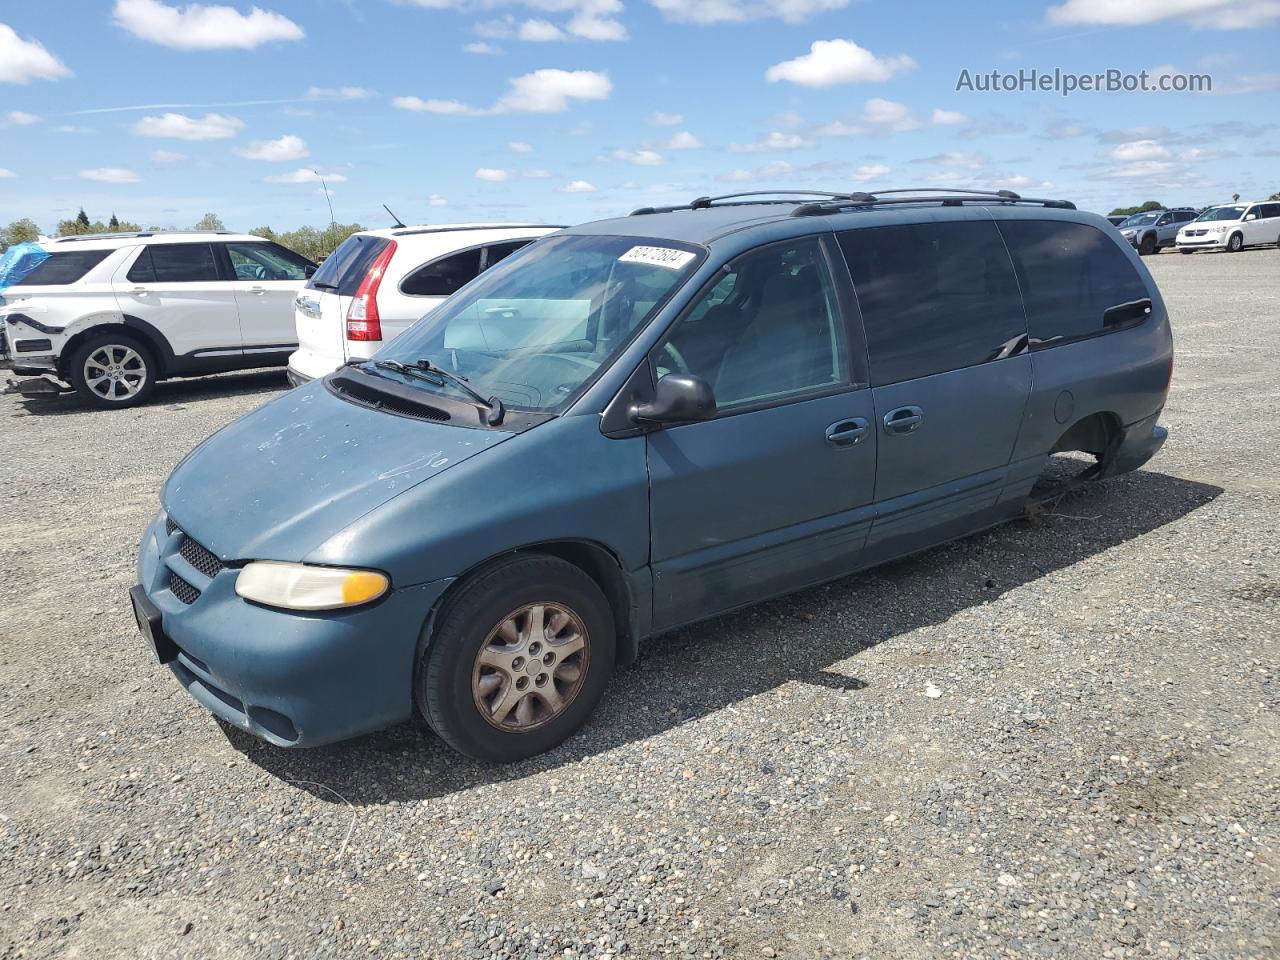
(343, 269)
(934, 297)
(60, 269)
(1071, 274)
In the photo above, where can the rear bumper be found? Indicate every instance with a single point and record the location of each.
(296, 378)
(1138, 444)
(306, 365)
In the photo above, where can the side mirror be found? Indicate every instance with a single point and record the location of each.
(680, 397)
(1251, 216)
(309, 270)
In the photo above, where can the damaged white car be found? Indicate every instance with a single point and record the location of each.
(110, 315)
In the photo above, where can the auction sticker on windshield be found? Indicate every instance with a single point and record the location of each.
(658, 257)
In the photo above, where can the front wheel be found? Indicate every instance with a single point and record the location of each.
(518, 660)
(113, 370)
(1235, 244)
(1184, 250)
(1147, 246)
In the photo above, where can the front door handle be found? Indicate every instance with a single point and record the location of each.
(140, 291)
(258, 290)
(903, 420)
(847, 433)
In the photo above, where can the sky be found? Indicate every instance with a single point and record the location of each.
(562, 111)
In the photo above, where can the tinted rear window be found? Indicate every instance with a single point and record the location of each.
(443, 277)
(1070, 274)
(60, 269)
(934, 297)
(345, 267)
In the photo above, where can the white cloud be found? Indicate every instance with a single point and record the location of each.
(1143, 169)
(22, 61)
(167, 156)
(519, 146)
(870, 171)
(543, 91)
(739, 11)
(110, 175)
(435, 200)
(641, 158)
(539, 31)
(20, 119)
(280, 150)
(1139, 150)
(492, 175)
(588, 25)
(72, 128)
(684, 140)
(578, 186)
(955, 158)
(177, 126)
(1208, 14)
(6, 174)
(661, 119)
(947, 118)
(200, 26)
(339, 93)
(550, 90)
(879, 116)
(305, 175)
(773, 141)
(777, 170)
(832, 62)
(482, 48)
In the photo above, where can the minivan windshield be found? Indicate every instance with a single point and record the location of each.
(1222, 213)
(538, 326)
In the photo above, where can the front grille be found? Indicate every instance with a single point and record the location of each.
(184, 591)
(203, 560)
(169, 526)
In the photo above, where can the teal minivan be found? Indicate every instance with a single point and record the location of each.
(633, 425)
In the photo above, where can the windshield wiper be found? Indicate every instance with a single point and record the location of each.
(321, 285)
(428, 372)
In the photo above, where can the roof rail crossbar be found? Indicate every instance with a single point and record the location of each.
(951, 198)
(784, 196)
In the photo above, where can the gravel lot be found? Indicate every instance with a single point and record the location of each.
(1059, 738)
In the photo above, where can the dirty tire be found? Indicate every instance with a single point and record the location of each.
(1147, 246)
(444, 682)
(137, 371)
(1236, 243)
(1183, 250)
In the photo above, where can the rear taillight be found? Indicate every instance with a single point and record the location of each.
(363, 322)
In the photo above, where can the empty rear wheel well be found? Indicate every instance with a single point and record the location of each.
(1091, 434)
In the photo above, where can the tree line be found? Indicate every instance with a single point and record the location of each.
(312, 242)
(1155, 205)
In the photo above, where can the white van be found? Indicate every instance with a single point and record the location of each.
(379, 282)
(1232, 227)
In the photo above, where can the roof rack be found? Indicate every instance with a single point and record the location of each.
(136, 234)
(946, 196)
(832, 202)
(704, 203)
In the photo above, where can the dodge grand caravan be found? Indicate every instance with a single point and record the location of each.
(633, 425)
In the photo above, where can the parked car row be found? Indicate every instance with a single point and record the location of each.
(629, 426)
(1230, 227)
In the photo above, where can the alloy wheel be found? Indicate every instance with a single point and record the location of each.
(530, 667)
(115, 372)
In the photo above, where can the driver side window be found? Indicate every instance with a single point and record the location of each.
(260, 261)
(768, 329)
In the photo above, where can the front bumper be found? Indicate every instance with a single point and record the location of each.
(294, 679)
(1202, 243)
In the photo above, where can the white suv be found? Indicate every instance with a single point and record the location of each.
(112, 314)
(1232, 227)
(380, 282)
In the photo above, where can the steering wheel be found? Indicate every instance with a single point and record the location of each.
(677, 358)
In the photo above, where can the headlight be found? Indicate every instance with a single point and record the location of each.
(298, 586)
(1126, 233)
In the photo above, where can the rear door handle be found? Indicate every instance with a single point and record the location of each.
(903, 420)
(847, 433)
(258, 290)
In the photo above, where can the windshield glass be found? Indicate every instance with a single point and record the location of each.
(1141, 220)
(1222, 213)
(535, 328)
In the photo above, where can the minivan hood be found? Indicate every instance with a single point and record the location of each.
(278, 482)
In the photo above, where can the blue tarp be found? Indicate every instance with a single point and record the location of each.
(18, 261)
